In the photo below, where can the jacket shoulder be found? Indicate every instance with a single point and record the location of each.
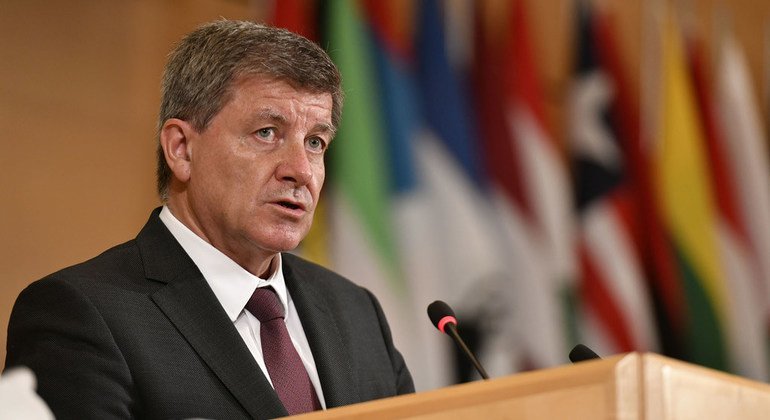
(113, 264)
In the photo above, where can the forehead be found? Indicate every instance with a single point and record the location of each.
(262, 92)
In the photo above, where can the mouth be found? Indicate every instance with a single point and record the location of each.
(290, 205)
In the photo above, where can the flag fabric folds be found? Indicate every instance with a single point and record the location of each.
(682, 180)
(530, 189)
(615, 305)
(745, 232)
(449, 180)
(701, 167)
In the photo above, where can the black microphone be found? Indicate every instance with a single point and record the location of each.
(580, 353)
(444, 319)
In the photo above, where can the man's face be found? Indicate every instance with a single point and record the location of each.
(257, 170)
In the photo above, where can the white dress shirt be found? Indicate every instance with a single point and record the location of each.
(233, 286)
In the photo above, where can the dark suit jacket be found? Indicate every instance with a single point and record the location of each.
(137, 332)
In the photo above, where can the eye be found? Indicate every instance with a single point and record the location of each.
(266, 133)
(316, 144)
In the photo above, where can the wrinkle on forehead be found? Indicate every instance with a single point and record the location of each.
(286, 89)
(280, 101)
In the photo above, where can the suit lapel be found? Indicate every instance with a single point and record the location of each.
(192, 307)
(332, 356)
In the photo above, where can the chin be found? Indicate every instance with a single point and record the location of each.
(283, 243)
(286, 247)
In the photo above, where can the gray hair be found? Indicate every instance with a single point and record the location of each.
(201, 70)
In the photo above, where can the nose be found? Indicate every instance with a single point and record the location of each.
(294, 165)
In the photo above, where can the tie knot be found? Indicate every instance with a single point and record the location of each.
(265, 305)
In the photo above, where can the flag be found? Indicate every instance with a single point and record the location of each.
(687, 208)
(298, 16)
(738, 150)
(412, 206)
(360, 164)
(531, 193)
(398, 230)
(747, 151)
(615, 305)
(460, 218)
(362, 243)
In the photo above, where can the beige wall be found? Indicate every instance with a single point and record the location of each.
(79, 92)
(78, 99)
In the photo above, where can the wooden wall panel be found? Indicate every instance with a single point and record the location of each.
(79, 92)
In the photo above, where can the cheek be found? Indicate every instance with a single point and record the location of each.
(320, 171)
(318, 181)
(239, 172)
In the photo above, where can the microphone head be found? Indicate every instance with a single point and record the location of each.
(580, 353)
(441, 314)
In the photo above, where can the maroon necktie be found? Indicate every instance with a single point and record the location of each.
(290, 379)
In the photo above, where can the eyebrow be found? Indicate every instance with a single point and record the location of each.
(325, 128)
(278, 118)
(272, 115)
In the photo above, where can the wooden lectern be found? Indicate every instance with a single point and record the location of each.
(631, 386)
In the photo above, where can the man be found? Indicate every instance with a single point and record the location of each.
(168, 325)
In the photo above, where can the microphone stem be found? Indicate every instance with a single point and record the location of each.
(452, 330)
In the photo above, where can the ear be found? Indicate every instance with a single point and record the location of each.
(175, 136)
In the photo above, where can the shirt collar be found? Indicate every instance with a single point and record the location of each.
(231, 283)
